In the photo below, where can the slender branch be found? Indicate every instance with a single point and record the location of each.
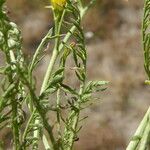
(16, 130)
(145, 138)
(59, 119)
(139, 132)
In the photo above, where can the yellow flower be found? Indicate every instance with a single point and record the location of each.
(58, 4)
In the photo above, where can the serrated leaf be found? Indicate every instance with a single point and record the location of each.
(94, 85)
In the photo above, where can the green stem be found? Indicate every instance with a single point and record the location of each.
(58, 23)
(144, 140)
(35, 57)
(48, 73)
(58, 113)
(16, 131)
(71, 127)
(49, 70)
(139, 132)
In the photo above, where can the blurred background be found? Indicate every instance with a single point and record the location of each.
(113, 37)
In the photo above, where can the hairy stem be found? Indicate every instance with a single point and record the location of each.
(16, 130)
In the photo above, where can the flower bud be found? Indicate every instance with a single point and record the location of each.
(58, 4)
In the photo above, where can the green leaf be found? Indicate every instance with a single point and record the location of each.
(68, 89)
(94, 86)
(79, 76)
(59, 71)
(9, 90)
